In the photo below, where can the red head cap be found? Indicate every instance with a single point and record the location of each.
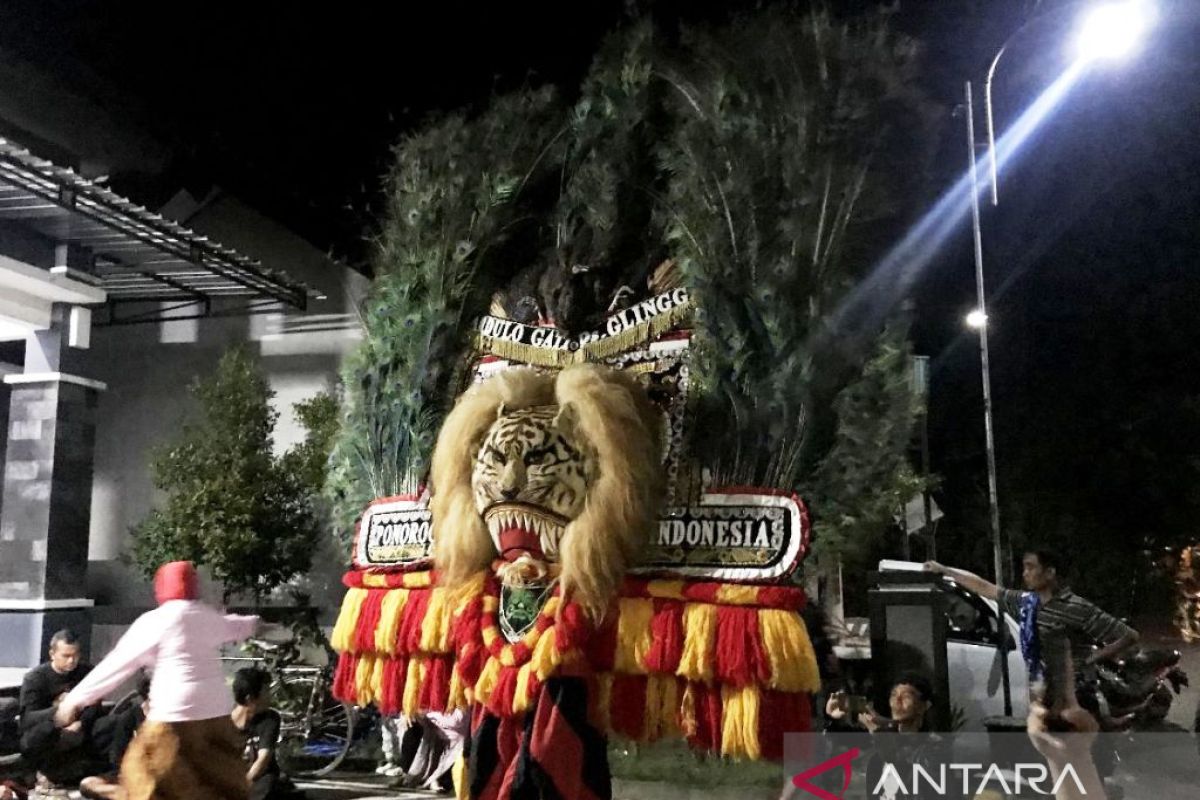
(176, 580)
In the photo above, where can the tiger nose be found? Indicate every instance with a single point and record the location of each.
(512, 480)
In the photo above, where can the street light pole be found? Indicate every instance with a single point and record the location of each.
(981, 308)
(1108, 32)
(991, 127)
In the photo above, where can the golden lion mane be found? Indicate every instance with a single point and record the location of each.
(618, 426)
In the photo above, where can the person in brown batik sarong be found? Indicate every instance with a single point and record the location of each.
(187, 749)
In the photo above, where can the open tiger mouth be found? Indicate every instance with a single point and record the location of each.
(518, 527)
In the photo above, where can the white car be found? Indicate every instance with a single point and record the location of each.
(972, 654)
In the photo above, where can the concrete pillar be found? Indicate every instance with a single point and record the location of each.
(46, 508)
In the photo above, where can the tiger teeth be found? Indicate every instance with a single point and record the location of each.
(550, 541)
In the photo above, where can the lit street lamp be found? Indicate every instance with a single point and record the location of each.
(1107, 31)
(1112, 30)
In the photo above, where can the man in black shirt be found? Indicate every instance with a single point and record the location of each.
(86, 747)
(260, 724)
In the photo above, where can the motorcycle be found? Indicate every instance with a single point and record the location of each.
(1137, 692)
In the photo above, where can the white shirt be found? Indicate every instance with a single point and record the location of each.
(181, 642)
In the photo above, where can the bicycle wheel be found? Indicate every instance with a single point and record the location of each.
(316, 729)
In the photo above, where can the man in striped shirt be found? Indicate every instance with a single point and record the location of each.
(1064, 625)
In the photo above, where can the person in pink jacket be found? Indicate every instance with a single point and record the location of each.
(187, 747)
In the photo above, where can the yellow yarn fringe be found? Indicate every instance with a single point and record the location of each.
(458, 774)
(671, 590)
(343, 630)
(464, 594)
(633, 636)
(458, 693)
(734, 595)
(521, 695)
(412, 685)
(662, 707)
(377, 678)
(435, 628)
(793, 662)
(739, 726)
(487, 680)
(546, 658)
(409, 580)
(699, 639)
(389, 620)
(362, 679)
(687, 712)
(603, 702)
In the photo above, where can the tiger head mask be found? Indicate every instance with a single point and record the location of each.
(554, 475)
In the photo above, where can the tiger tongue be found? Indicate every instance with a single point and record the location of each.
(514, 542)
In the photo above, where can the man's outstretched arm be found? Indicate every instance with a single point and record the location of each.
(968, 580)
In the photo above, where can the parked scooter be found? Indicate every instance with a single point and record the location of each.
(1137, 691)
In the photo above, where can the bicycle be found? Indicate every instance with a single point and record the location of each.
(316, 729)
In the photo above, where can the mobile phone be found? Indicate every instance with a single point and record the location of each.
(853, 704)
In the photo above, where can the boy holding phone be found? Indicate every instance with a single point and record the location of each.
(909, 703)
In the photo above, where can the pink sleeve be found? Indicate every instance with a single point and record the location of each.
(134, 650)
(239, 627)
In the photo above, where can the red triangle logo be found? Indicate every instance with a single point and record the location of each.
(801, 781)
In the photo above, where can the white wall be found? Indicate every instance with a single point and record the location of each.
(148, 368)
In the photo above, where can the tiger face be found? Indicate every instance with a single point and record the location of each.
(530, 479)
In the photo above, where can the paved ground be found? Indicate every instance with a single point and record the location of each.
(344, 786)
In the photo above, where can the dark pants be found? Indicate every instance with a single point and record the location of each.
(67, 757)
(10, 735)
(410, 744)
(274, 786)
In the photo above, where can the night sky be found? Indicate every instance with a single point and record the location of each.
(1091, 256)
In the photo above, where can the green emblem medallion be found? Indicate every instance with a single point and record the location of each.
(519, 608)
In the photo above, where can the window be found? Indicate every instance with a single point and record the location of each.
(968, 619)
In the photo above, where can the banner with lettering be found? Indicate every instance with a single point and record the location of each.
(550, 347)
(745, 535)
(394, 532)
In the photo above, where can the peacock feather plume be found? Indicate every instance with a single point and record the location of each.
(768, 159)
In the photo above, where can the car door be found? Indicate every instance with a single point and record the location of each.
(972, 648)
